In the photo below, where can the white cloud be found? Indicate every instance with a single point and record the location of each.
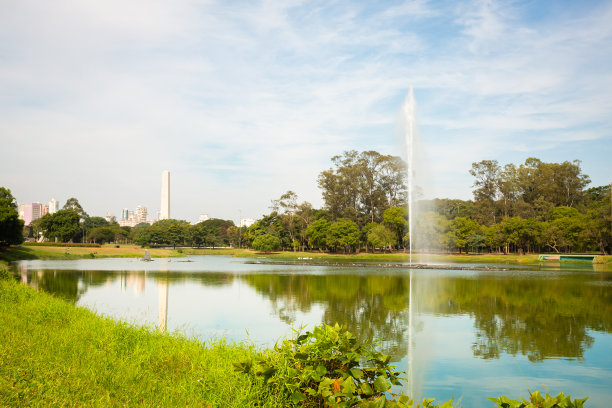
(242, 102)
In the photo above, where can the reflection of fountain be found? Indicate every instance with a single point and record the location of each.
(162, 297)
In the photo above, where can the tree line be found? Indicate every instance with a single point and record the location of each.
(531, 207)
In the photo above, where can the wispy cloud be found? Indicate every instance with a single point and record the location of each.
(242, 101)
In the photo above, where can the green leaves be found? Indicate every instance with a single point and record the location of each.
(536, 400)
(327, 367)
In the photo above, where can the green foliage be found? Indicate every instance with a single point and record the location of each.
(537, 401)
(316, 233)
(381, 237)
(63, 225)
(362, 185)
(266, 243)
(10, 225)
(342, 234)
(329, 367)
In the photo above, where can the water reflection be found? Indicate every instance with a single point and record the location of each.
(162, 290)
(539, 315)
(449, 329)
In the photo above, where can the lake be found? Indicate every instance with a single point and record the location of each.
(470, 334)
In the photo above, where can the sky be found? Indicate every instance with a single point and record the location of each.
(244, 100)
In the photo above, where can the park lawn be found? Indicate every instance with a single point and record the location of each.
(55, 354)
(106, 251)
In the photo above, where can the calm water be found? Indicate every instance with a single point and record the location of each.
(461, 333)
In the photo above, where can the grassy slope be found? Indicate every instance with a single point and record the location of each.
(55, 354)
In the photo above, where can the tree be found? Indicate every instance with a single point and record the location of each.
(343, 234)
(396, 219)
(101, 235)
(316, 233)
(266, 243)
(63, 225)
(362, 185)
(11, 226)
(381, 237)
(462, 229)
(73, 204)
(486, 187)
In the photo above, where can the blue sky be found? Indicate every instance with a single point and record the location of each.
(242, 101)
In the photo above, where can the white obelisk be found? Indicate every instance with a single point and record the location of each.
(164, 212)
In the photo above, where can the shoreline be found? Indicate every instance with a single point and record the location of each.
(400, 258)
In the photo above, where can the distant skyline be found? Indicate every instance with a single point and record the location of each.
(242, 101)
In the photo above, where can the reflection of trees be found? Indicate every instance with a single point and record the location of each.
(534, 315)
(372, 307)
(537, 317)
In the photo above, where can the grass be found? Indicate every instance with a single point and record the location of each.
(132, 251)
(56, 354)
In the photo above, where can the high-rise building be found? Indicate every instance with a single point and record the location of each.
(141, 214)
(30, 212)
(165, 196)
(124, 214)
(53, 206)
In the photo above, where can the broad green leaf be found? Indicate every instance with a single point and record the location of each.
(381, 384)
(297, 397)
(356, 372)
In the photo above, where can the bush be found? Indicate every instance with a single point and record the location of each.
(328, 367)
(266, 243)
(536, 400)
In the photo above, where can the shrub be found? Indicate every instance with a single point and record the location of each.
(266, 243)
(536, 401)
(329, 367)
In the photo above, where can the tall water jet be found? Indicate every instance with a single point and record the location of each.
(410, 127)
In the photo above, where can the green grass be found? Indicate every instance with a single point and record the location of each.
(127, 251)
(56, 354)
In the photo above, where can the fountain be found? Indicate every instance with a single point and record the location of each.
(409, 128)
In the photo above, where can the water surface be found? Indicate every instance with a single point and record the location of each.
(463, 333)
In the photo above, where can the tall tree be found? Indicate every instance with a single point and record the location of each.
(63, 225)
(486, 184)
(362, 185)
(11, 226)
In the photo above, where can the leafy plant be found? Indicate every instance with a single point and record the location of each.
(329, 367)
(537, 401)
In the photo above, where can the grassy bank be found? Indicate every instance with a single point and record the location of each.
(55, 354)
(132, 251)
(106, 251)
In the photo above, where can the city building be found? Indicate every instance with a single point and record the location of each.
(165, 196)
(30, 212)
(203, 217)
(111, 217)
(141, 214)
(124, 214)
(53, 206)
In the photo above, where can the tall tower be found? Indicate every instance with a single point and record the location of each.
(164, 213)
